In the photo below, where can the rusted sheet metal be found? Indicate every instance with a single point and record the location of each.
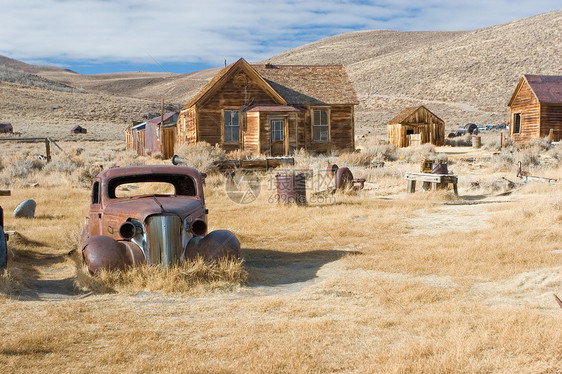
(102, 252)
(218, 244)
(130, 228)
(526, 177)
(291, 188)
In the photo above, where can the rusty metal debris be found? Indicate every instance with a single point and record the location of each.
(524, 175)
(343, 178)
(130, 223)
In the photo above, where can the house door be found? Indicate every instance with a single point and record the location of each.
(278, 137)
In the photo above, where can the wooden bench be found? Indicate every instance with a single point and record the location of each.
(435, 180)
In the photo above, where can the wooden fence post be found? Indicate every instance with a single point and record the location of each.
(48, 149)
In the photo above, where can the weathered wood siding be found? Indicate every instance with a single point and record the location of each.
(551, 118)
(168, 141)
(187, 126)
(129, 139)
(341, 130)
(527, 105)
(252, 133)
(239, 92)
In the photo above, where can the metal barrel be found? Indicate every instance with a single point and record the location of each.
(291, 188)
(476, 141)
(439, 168)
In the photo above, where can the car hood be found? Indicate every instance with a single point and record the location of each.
(142, 207)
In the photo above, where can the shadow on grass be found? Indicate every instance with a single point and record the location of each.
(273, 268)
(25, 260)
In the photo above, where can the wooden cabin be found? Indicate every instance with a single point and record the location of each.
(153, 136)
(536, 108)
(415, 126)
(273, 109)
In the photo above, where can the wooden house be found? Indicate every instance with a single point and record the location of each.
(273, 109)
(153, 136)
(536, 108)
(415, 126)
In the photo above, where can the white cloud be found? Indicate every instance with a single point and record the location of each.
(208, 32)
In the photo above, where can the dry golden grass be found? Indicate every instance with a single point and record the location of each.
(374, 281)
(191, 277)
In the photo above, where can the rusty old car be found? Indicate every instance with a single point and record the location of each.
(152, 214)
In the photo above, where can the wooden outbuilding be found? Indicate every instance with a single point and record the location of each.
(6, 128)
(536, 108)
(153, 136)
(78, 130)
(415, 126)
(273, 109)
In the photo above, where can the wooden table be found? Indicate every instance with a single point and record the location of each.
(436, 180)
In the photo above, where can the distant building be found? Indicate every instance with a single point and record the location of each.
(415, 126)
(536, 108)
(153, 136)
(273, 109)
(6, 128)
(78, 130)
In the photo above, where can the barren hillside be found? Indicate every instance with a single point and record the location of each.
(462, 76)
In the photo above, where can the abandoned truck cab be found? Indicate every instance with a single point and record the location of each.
(153, 214)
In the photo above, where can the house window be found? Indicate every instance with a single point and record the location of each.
(277, 130)
(320, 127)
(517, 123)
(231, 126)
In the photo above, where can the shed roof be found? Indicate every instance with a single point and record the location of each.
(156, 120)
(547, 88)
(407, 112)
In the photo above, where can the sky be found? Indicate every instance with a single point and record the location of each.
(180, 36)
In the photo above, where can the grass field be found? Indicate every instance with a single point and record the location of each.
(375, 281)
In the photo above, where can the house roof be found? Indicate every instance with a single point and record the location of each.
(156, 120)
(290, 84)
(310, 84)
(273, 108)
(407, 112)
(224, 74)
(546, 88)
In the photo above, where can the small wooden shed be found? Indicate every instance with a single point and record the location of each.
(6, 128)
(415, 126)
(153, 136)
(78, 130)
(536, 108)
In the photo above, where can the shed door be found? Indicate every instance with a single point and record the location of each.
(278, 137)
